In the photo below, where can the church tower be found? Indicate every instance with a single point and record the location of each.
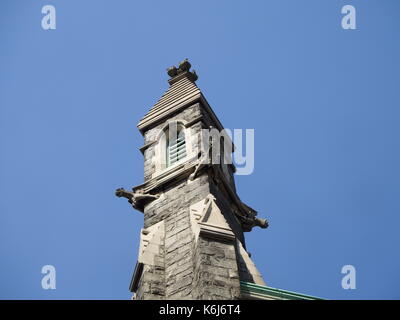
(192, 245)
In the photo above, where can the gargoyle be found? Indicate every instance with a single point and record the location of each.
(135, 198)
(248, 223)
(250, 220)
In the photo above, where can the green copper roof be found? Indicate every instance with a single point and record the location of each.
(273, 293)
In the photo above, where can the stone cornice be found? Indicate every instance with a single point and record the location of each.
(181, 170)
(153, 120)
(144, 147)
(246, 215)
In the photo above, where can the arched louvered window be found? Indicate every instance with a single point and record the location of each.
(176, 148)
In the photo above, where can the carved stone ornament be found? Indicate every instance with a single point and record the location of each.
(182, 71)
(136, 199)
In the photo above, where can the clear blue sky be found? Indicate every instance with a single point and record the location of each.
(324, 103)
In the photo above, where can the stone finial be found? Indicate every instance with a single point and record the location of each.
(181, 72)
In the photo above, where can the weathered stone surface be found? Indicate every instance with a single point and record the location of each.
(212, 280)
(188, 258)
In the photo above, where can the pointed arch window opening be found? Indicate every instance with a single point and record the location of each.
(176, 148)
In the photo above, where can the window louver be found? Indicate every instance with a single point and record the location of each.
(176, 150)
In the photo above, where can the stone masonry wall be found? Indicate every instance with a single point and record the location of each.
(173, 207)
(215, 270)
(204, 270)
(186, 268)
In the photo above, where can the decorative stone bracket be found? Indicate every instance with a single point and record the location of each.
(208, 220)
(151, 242)
(151, 239)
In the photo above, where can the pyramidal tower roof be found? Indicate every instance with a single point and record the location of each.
(182, 92)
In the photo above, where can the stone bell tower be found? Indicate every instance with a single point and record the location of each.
(192, 244)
